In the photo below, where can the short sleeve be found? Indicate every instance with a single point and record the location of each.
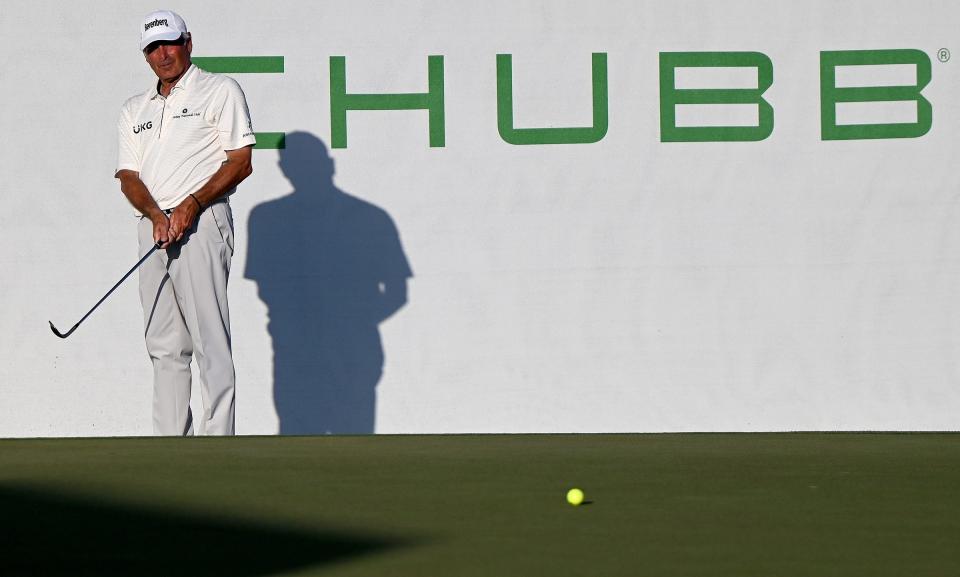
(128, 157)
(234, 124)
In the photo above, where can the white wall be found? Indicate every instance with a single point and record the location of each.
(625, 285)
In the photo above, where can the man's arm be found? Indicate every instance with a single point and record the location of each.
(232, 172)
(138, 195)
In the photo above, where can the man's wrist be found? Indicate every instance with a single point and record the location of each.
(196, 200)
(155, 213)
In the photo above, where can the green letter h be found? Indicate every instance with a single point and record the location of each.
(341, 102)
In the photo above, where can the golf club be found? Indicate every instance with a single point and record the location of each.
(135, 267)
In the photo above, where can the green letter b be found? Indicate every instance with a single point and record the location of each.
(671, 96)
(830, 94)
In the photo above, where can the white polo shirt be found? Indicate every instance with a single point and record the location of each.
(178, 142)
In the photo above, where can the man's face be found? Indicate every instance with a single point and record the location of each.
(169, 59)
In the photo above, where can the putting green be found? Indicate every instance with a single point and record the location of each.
(701, 505)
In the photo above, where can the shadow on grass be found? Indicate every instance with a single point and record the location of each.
(57, 535)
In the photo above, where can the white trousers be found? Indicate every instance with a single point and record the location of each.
(184, 294)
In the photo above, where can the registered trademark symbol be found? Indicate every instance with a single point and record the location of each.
(943, 54)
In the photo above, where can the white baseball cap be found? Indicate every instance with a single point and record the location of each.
(161, 25)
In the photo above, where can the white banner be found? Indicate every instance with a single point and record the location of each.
(619, 216)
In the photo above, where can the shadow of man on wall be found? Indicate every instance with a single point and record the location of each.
(330, 268)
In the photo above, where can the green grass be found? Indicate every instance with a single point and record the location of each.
(764, 505)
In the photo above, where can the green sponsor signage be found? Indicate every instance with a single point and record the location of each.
(433, 100)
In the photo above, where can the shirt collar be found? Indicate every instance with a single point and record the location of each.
(183, 83)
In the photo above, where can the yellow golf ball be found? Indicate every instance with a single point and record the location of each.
(574, 497)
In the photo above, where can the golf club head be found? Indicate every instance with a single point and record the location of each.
(58, 333)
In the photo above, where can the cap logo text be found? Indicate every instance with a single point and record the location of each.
(157, 22)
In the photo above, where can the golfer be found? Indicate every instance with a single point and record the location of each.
(184, 146)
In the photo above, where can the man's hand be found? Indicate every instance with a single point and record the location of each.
(161, 229)
(138, 195)
(181, 219)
